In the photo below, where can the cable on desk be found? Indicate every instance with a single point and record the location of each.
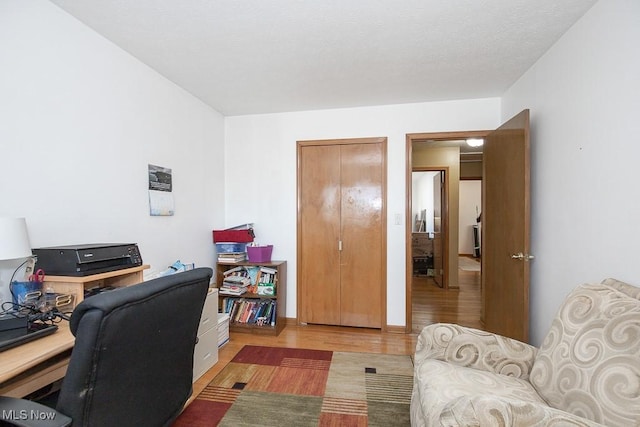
(50, 316)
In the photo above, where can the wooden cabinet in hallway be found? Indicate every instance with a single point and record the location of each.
(342, 232)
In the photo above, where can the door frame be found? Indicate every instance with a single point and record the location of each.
(410, 139)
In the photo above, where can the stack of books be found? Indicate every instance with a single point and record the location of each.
(235, 282)
(231, 244)
(232, 256)
(234, 286)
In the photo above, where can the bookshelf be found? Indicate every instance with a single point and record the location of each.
(254, 300)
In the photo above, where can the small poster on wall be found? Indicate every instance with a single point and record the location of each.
(160, 191)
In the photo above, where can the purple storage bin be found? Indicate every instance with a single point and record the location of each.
(259, 253)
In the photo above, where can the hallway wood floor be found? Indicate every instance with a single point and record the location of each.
(431, 305)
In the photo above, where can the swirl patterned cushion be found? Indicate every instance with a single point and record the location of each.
(589, 362)
(587, 372)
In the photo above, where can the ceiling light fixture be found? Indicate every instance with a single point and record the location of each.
(475, 142)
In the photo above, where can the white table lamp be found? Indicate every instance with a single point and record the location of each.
(14, 239)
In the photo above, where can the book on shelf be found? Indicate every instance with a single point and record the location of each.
(235, 271)
(272, 314)
(232, 256)
(232, 290)
(267, 289)
(237, 280)
(234, 285)
(252, 272)
(266, 281)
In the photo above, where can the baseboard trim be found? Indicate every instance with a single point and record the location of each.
(395, 329)
(392, 329)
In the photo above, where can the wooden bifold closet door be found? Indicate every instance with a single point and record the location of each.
(342, 232)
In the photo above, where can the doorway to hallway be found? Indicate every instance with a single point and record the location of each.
(505, 235)
(461, 161)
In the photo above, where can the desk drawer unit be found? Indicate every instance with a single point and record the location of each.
(205, 355)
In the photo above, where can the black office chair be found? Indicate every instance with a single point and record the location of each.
(132, 362)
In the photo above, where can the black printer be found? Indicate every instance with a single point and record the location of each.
(87, 259)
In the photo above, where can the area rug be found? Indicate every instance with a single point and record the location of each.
(468, 264)
(275, 386)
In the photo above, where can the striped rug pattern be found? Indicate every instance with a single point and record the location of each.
(277, 386)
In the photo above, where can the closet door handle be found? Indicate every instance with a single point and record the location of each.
(340, 245)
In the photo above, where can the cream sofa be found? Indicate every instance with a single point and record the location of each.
(586, 373)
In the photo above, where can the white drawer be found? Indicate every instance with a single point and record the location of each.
(209, 317)
(205, 355)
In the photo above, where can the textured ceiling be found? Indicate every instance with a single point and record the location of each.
(262, 56)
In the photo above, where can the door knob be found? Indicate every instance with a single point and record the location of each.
(522, 257)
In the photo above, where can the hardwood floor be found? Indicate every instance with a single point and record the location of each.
(430, 305)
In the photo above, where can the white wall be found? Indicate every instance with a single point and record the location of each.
(585, 109)
(263, 147)
(470, 205)
(80, 120)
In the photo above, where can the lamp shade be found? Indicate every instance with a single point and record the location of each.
(14, 239)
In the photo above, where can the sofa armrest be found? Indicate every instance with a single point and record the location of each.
(475, 349)
(22, 412)
(487, 410)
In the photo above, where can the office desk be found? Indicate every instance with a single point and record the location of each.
(31, 366)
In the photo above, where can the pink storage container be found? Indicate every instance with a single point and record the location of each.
(259, 253)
